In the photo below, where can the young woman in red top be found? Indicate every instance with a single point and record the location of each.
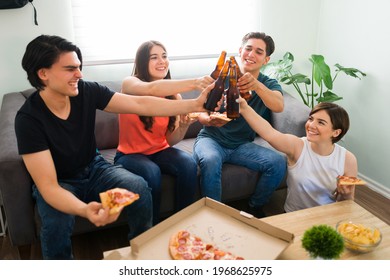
(146, 143)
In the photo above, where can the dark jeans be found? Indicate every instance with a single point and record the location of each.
(171, 161)
(98, 176)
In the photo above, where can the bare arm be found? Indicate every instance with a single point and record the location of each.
(152, 106)
(350, 169)
(273, 99)
(133, 85)
(41, 168)
(289, 144)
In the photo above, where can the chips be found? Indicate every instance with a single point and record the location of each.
(359, 237)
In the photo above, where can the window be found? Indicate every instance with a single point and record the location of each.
(113, 30)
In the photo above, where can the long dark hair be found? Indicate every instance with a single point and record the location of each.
(141, 71)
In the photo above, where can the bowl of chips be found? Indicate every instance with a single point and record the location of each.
(359, 237)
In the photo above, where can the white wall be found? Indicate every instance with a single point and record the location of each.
(350, 32)
(17, 29)
(358, 36)
(353, 33)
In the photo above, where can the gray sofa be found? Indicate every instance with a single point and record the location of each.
(15, 182)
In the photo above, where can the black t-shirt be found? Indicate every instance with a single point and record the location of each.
(72, 141)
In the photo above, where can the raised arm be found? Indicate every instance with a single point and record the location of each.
(133, 85)
(273, 99)
(152, 106)
(289, 144)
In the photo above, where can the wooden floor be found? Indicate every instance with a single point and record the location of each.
(92, 245)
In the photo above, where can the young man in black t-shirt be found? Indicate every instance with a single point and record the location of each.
(55, 134)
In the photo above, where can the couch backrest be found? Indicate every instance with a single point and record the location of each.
(293, 118)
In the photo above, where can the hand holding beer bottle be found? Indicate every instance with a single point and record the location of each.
(217, 92)
(246, 95)
(232, 107)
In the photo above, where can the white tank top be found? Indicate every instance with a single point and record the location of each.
(312, 180)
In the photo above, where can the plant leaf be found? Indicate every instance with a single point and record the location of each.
(321, 71)
(353, 72)
(279, 69)
(329, 96)
(296, 78)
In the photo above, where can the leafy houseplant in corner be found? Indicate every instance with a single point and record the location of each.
(320, 74)
(323, 241)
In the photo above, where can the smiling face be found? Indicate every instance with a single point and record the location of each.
(63, 76)
(253, 55)
(158, 63)
(319, 128)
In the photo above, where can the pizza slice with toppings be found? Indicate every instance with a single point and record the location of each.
(350, 180)
(186, 246)
(117, 198)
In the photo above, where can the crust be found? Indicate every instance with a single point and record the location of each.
(104, 199)
(173, 246)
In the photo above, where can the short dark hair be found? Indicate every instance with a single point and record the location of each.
(269, 42)
(338, 116)
(43, 52)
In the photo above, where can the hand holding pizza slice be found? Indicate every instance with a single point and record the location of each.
(117, 198)
(346, 187)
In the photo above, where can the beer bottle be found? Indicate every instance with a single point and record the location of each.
(219, 66)
(232, 107)
(246, 95)
(216, 93)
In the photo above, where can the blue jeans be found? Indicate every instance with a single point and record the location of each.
(171, 161)
(210, 156)
(98, 176)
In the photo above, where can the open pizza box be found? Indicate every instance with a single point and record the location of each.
(225, 227)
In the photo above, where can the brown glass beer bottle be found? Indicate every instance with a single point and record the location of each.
(216, 93)
(232, 107)
(219, 66)
(246, 95)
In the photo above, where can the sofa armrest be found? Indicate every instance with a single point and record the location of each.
(15, 181)
(293, 118)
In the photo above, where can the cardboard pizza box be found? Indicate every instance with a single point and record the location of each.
(227, 228)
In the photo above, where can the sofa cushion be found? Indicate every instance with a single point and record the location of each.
(293, 118)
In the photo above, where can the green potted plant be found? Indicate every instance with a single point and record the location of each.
(320, 73)
(323, 242)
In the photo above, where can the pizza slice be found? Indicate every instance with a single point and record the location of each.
(221, 116)
(186, 246)
(194, 115)
(349, 180)
(117, 198)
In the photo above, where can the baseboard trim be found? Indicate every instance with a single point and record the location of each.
(375, 186)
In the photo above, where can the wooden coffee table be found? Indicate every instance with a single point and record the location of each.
(299, 221)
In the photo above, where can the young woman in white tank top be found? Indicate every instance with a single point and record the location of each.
(313, 161)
